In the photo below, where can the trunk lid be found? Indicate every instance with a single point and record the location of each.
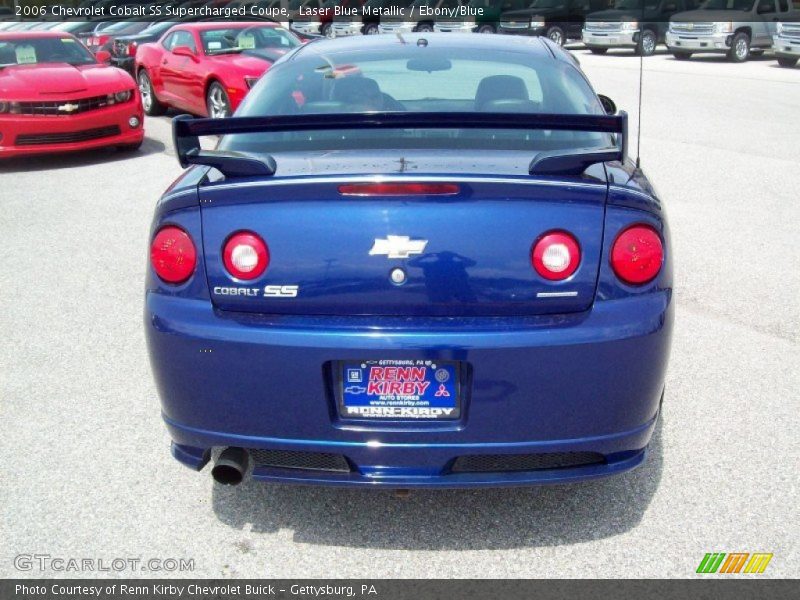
(470, 252)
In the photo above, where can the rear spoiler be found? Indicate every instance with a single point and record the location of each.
(187, 131)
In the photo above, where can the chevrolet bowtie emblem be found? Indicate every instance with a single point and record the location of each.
(68, 108)
(690, 26)
(398, 246)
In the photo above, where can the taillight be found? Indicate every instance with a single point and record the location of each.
(245, 255)
(173, 255)
(399, 189)
(132, 49)
(556, 255)
(637, 255)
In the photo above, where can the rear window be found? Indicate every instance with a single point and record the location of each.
(412, 79)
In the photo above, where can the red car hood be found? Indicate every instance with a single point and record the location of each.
(60, 79)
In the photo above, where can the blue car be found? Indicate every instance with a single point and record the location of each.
(411, 261)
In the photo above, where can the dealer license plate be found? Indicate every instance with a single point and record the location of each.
(400, 389)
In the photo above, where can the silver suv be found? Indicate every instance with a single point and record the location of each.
(732, 27)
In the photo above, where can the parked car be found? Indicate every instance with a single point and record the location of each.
(57, 98)
(304, 17)
(559, 20)
(123, 51)
(104, 38)
(361, 22)
(415, 19)
(80, 29)
(630, 25)
(208, 68)
(736, 28)
(438, 295)
(486, 22)
(786, 43)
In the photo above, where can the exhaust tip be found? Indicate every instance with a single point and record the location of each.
(230, 467)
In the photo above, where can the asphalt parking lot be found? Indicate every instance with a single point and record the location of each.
(86, 470)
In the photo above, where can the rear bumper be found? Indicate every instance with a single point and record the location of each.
(13, 126)
(587, 383)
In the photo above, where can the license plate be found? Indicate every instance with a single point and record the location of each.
(400, 389)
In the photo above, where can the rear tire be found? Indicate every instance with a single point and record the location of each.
(648, 42)
(371, 29)
(556, 35)
(787, 62)
(152, 107)
(486, 29)
(740, 48)
(596, 50)
(681, 55)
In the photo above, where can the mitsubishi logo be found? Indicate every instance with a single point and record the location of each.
(68, 108)
(398, 246)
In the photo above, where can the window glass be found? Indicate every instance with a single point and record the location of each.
(231, 40)
(398, 79)
(31, 51)
(184, 38)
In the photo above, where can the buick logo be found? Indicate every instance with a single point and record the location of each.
(397, 246)
(68, 108)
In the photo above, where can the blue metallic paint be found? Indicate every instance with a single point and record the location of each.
(586, 377)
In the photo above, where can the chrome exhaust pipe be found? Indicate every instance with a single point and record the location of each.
(231, 466)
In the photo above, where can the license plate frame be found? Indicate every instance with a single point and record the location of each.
(389, 390)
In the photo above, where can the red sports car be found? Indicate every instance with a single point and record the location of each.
(207, 68)
(56, 97)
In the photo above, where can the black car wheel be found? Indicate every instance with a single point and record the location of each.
(787, 62)
(217, 102)
(682, 55)
(595, 50)
(424, 28)
(327, 30)
(150, 103)
(740, 48)
(556, 35)
(371, 29)
(486, 29)
(648, 43)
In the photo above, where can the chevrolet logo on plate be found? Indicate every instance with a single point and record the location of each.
(398, 246)
(68, 108)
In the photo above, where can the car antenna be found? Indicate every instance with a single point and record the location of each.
(641, 75)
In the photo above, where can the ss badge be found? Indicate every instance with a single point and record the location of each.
(281, 291)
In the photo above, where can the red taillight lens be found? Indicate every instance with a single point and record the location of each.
(556, 255)
(132, 49)
(637, 255)
(173, 255)
(245, 255)
(399, 189)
